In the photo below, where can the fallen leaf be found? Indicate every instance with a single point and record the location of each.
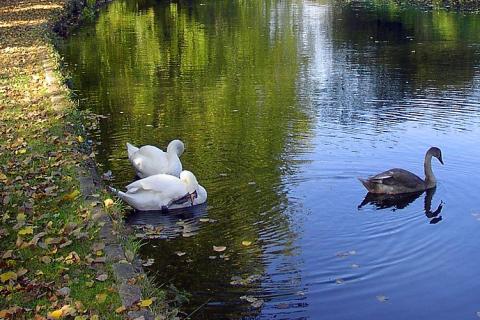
(246, 243)
(219, 248)
(180, 253)
(57, 314)
(101, 297)
(145, 303)
(3, 177)
(108, 203)
(7, 255)
(25, 231)
(10, 275)
(21, 272)
(72, 195)
(46, 259)
(80, 139)
(21, 217)
(120, 309)
(382, 298)
(102, 277)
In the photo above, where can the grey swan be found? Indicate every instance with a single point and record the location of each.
(398, 181)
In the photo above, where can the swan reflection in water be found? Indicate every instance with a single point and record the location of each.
(401, 201)
(168, 224)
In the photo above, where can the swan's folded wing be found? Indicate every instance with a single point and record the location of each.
(167, 185)
(396, 177)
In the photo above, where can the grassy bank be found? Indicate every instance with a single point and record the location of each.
(52, 260)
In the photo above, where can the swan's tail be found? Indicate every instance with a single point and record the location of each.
(131, 149)
(367, 184)
(116, 192)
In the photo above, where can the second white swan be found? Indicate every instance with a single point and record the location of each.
(149, 160)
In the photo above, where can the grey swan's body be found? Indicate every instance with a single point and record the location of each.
(397, 181)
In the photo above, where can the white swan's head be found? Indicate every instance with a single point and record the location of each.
(191, 183)
(176, 146)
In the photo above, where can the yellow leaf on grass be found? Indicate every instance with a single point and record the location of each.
(108, 203)
(57, 314)
(10, 275)
(72, 195)
(21, 217)
(120, 309)
(3, 177)
(80, 139)
(246, 243)
(22, 151)
(145, 303)
(25, 231)
(101, 297)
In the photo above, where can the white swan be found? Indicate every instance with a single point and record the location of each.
(150, 160)
(163, 191)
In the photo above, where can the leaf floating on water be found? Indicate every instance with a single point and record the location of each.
(382, 298)
(204, 220)
(354, 265)
(219, 248)
(258, 303)
(478, 314)
(188, 234)
(238, 281)
(339, 281)
(148, 263)
(344, 254)
(246, 243)
(255, 302)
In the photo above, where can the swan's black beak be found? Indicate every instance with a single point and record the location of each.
(440, 159)
(193, 195)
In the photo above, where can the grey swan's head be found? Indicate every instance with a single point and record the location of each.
(435, 152)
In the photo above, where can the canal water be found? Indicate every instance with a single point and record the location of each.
(281, 105)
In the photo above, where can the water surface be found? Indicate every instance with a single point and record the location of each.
(282, 105)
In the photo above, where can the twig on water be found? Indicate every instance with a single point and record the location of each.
(198, 308)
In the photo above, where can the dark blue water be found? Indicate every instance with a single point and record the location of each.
(282, 105)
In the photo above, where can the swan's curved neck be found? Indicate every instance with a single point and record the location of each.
(430, 180)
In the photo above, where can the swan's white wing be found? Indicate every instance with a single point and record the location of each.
(168, 186)
(150, 160)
